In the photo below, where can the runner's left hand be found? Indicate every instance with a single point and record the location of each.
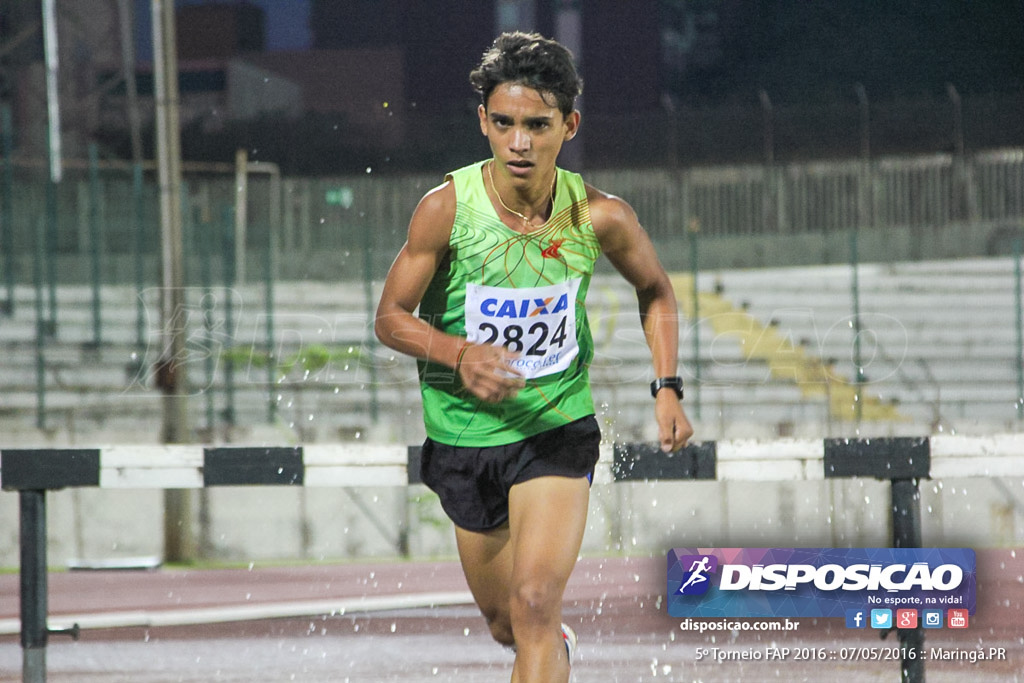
(674, 429)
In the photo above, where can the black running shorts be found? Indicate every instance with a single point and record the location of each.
(473, 483)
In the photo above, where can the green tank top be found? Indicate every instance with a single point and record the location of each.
(523, 291)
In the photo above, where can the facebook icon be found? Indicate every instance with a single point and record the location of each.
(856, 618)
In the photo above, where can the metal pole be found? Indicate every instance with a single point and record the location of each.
(38, 256)
(865, 121)
(34, 629)
(371, 339)
(49, 258)
(169, 174)
(769, 127)
(275, 218)
(52, 58)
(865, 153)
(165, 71)
(693, 230)
(6, 204)
(770, 219)
(241, 211)
(139, 246)
(126, 20)
(32, 504)
(1017, 246)
(855, 293)
(228, 253)
(94, 242)
(179, 543)
(958, 119)
(906, 533)
(53, 158)
(959, 209)
(206, 242)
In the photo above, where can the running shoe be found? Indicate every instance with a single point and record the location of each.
(569, 638)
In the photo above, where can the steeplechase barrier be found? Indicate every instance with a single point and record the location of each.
(903, 461)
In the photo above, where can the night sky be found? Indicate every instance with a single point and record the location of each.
(794, 47)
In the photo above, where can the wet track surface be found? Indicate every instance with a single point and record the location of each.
(353, 629)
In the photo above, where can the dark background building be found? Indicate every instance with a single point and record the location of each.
(383, 83)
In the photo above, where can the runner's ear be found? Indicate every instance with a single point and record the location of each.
(572, 125)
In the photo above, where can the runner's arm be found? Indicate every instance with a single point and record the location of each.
(483, 369)
(395, 324)
(630, 250)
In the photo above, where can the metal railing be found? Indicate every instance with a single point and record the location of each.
(349, 229)
(321, 226)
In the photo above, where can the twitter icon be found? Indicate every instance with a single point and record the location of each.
(881, 618)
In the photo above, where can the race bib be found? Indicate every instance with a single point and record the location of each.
(538, 323)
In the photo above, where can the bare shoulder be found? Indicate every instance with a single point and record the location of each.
(438, 202)
(431, 222)
(612, 217)
(607, 208)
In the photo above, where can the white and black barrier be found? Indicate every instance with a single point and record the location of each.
(903, 461)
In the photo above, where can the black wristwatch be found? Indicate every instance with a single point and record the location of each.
(673, 383)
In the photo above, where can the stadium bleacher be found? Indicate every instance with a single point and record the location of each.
(775, 356)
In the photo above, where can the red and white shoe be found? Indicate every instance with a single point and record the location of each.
(569, 638)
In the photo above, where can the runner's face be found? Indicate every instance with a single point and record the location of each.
(525, 131)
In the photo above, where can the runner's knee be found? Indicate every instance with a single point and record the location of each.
(537, 600)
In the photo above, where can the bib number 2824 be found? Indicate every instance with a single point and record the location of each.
(538, 323)
(538, 336)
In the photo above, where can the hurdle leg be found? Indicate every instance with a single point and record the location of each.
(34, 632)
(906, 533)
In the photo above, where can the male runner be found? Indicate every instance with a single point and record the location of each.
(498, 260)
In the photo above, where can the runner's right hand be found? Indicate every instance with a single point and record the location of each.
(486, 372)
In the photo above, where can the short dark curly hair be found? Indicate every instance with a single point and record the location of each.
(531, 60)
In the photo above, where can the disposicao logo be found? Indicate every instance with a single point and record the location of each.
(823, 582)
(696, 579)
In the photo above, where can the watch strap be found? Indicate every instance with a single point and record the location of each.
(673, 383)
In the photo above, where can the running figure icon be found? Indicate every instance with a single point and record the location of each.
(697, 573)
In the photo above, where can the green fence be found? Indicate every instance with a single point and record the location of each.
(107, 219)
(99, 227)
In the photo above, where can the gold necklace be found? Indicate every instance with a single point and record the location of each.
(526, 221)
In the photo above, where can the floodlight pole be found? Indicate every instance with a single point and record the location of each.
(52, 90)
(178, 542)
